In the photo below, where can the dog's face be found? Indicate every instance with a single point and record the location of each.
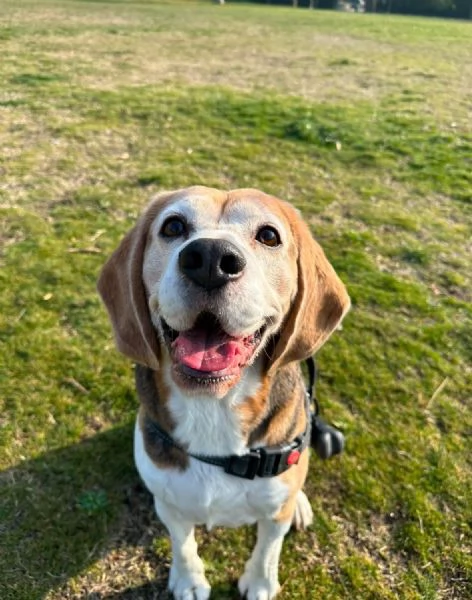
(220, 275)
(208, 281)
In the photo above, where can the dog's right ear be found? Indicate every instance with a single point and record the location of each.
(122, 290)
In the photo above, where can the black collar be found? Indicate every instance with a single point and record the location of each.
(267, 461)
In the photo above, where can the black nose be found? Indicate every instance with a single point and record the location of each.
(211, 263)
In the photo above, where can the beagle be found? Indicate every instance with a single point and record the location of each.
(217, 296)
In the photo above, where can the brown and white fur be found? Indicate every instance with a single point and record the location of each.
(276, 304)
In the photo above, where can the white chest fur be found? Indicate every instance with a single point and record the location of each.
(206, 425)
(205, 494)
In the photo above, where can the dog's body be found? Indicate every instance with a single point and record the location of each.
(217, 296)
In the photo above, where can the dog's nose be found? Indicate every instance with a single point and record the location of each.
(211, 263)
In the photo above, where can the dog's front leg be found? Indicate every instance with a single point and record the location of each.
(260, 579)
(187, 580)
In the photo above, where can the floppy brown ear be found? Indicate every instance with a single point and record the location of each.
(319, 306)
(122, 290)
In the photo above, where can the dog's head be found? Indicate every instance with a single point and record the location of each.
(209, 282)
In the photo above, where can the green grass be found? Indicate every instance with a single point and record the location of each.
(363, 123)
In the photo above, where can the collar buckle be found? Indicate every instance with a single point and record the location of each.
(274, 460)
(265, 462)
(245, 466)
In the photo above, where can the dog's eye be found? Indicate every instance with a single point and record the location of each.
(268, 236)
(173, 227)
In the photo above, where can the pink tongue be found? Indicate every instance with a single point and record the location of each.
(203, 351)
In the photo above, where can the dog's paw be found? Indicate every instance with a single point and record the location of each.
(257, 588)
(188, 585)
(303, 516)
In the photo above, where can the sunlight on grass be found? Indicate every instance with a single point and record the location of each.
(363, 124)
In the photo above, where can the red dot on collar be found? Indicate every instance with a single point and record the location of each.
(293, 457)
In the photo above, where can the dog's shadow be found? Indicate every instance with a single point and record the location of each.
(73, 507)
(149, 592)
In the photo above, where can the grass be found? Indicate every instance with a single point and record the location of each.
(363, 122)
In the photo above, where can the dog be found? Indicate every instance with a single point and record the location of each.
(218, 296)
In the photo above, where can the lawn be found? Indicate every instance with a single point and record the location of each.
(364, 123)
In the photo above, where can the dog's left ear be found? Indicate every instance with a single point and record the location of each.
(320, 303)
(122, 290)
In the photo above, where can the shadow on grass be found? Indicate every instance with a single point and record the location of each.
(68, 508)
(149, 591)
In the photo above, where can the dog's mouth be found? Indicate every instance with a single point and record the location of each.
(207, 354)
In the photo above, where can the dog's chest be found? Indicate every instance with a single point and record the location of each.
(205, 494)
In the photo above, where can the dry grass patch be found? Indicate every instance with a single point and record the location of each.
(362, 122)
